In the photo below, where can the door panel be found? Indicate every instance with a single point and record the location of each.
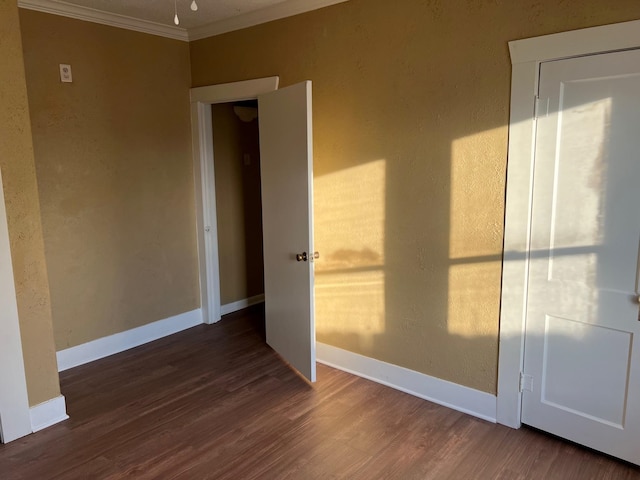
(578, 356)
(581, 345)
(287, 214)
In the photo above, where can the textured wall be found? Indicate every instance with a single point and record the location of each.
(411, 104)
(238, 205)
(113, 159)
(23, 215)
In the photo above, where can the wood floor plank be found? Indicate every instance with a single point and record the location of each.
(216, 402)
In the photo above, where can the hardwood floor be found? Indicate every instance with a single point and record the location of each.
(216, 402)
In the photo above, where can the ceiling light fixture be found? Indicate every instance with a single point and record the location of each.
(176, 20)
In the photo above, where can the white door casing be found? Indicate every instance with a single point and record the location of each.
(15, 421)
(582, 358)
(205, 186)
(286, 170)
(526, 57)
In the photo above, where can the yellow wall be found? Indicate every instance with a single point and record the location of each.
(115, 175)
(237, 205)
(410, 104)
(23, 215)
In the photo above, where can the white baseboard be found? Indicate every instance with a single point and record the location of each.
(458, 397)
(240, 304)
(48, 413)
(119, 342)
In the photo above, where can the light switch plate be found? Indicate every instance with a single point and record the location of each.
(65, 73)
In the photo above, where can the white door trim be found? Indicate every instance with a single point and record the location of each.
(15, 420)
(526, 56)
(205, 186)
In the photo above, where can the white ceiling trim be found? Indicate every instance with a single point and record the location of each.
(249, 19)
(97, 16)
(256, 17)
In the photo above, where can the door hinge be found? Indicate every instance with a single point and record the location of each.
(526, 383)
(536, 110)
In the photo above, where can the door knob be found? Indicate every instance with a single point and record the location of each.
(303, 257)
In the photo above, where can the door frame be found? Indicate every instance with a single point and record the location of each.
(204, 177)
(15, 420)
(526, 57)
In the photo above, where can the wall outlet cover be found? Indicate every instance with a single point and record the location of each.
(65, 73)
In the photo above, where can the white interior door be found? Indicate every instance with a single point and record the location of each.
(582, 352)
(286, 160)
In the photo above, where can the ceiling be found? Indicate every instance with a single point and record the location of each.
(156, 16)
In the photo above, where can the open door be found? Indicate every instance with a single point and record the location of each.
(286, 158)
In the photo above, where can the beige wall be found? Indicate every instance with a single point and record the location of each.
(237, 205)
(23, 215)
(410, 119)
(115, 174)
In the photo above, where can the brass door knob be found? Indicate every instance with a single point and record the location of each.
(301, 257)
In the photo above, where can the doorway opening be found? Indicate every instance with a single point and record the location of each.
(286, 179)
(202, 101)
(236, 152)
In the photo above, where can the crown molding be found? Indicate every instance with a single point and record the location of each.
(98, 16)
(284, 9)
(275, 12)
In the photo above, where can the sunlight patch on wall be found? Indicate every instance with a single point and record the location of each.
(349, 234)
(468, 311)
(473, 228)
(475, 236)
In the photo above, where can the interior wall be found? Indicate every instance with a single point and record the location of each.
(23, 215)
(410, 103)
(238, 204)
(115, 176)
